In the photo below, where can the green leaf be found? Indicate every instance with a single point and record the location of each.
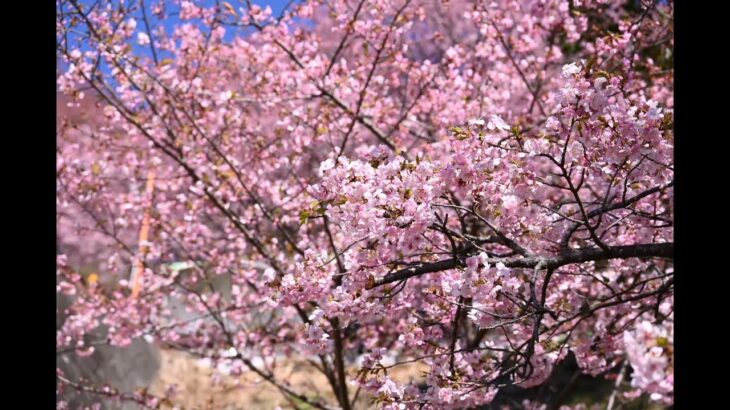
(459, 133)
(304, 217)
(178, 266)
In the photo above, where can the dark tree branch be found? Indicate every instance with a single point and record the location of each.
(665, 250)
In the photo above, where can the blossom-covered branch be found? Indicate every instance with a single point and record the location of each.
(476, 188)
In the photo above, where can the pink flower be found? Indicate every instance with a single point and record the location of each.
(552, 123)
(389, 388)
(496, 123)
(66, 288)
(143, 39)
(570, 70)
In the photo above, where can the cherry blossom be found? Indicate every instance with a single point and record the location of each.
(480, 187)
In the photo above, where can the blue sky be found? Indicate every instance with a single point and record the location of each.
(169, 23)
(276, 7)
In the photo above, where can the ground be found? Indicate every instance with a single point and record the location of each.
(248, 391)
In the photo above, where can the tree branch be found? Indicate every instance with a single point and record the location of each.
(581, 255)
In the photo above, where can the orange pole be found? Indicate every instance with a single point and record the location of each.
(143, 235)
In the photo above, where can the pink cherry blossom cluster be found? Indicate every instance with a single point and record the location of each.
(649, 348)
(481, 188)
